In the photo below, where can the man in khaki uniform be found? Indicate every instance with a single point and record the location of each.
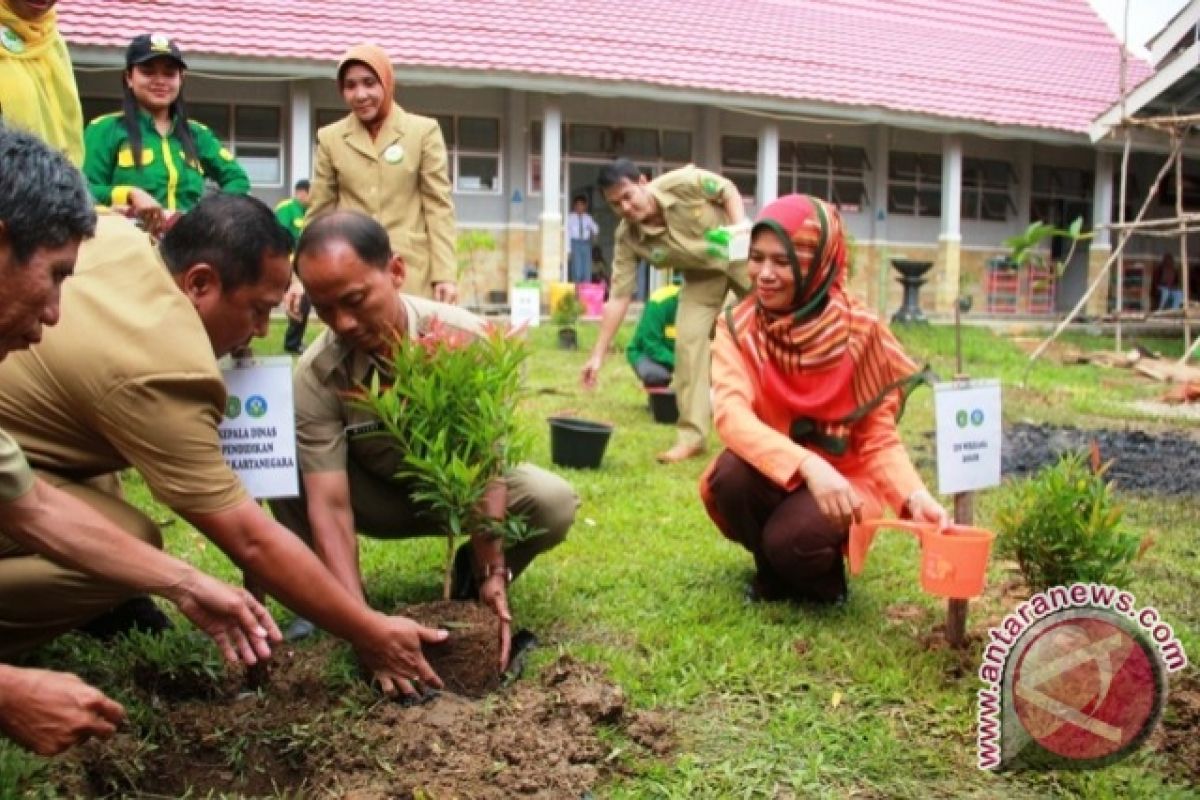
(391, 165)
(665, 221)
(353, 280)
(130, 379)
(49, 538)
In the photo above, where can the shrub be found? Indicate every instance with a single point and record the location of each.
(1064, 526)
(566, 311)
(451, 412)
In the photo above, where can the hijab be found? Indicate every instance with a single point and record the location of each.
(376, 59)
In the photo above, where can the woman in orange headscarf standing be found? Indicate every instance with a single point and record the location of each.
(807, 387)
(391, 165)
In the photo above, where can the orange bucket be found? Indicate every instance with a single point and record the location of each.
(953, 560)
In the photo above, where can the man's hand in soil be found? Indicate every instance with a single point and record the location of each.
(396, 660)
(239, 624)
(47, 712)
(494, 594)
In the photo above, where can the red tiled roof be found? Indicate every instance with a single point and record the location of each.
(1031, 63)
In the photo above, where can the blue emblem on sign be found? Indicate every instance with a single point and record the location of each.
(256, 405)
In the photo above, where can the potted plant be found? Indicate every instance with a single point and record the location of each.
(565, 314)
(450, 411)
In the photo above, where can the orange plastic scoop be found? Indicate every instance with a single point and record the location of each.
(953, 560)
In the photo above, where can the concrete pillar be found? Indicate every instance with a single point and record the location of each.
(301, 149)
(1101, 246)
(768, 164)
(950, 239)
(516, 168)
(552, 267)
(879, 277)
(708, 150)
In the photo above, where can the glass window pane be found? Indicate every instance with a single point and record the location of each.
(930, 167)
(677, 146)
(994, 207)
(784, 185)
(478, 173)
(817, 187)
(328, 116)
(929, 202)
(257, 124)
(812, 157)
(535, 175)
(589, 139)
(996, 174)
(902, 166)
(902, 200)
(850, 195)
(214, 116)
(535, 137)
(1041, 179)
(746, 182)
(739, 151)
(479, 133)
(95, 106)
(636, 142)
(262, 164)
(446, 123)
(849, 160)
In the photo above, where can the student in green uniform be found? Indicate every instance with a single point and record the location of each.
(150, 155)
(651, 353)
(290, 214)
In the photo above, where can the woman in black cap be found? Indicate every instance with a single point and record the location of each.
(150, 156)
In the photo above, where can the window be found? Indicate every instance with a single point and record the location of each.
(739, 163)
(832, 172)
(915, 184)
(472, 152)
(1059, 194)
(326, 116)
(987, 186)
(254, 134)
(96, 106)
(652, 149)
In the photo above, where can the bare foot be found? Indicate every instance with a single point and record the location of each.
(680, 452)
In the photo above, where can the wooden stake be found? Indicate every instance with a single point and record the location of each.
(956, 610)
(256, 674)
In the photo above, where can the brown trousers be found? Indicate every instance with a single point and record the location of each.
(798, 552)
(40, 599)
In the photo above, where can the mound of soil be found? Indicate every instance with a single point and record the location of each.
(1142, 462)
(303, 736)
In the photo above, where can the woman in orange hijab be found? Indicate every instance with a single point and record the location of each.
(807, 387)
(391, 165)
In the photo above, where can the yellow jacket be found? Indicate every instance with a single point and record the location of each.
(37, 86)
(400, 179)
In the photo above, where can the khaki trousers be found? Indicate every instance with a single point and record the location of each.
(701, 299)
(382, 510)
(40, 599)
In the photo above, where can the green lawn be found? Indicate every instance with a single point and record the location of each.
(769, 701)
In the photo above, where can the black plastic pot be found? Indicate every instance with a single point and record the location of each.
(663, 405)
(578, 443)
(567, 339)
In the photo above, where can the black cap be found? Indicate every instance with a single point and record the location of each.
(150, 46)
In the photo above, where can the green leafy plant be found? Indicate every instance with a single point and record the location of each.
(450, 411)
(470, 247)
(567, 310)
(1025, 247)
(1064, 525)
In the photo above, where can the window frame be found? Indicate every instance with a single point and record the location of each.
(921, 181)
(233, 142)
(826, 173)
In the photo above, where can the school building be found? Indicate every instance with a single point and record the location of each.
(938, 127)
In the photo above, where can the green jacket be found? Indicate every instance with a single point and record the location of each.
(290, 214)
(655, 334)
(174, 181)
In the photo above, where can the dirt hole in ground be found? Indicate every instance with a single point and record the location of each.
(546, 736)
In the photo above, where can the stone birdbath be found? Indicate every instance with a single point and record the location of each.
(912, 277)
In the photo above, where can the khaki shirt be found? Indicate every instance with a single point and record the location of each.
(127, 378)
(330, 430)
(692, 202)
(401, 180)
(16, 478)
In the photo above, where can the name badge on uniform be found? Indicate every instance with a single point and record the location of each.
(11, 40)
(362, 429)
(394, 154)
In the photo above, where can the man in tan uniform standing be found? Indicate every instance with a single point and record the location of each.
(130, 379)
(48, 537)
(391, 165)
(664, 221)
(353, 281)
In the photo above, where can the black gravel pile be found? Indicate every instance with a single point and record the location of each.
(1155, 464)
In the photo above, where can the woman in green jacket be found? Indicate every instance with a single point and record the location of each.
(150, 156)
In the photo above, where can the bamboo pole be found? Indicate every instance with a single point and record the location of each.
(1120, 288)
(1183, 248)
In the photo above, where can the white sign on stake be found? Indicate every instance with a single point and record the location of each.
(968, 435)
(258, 433)
(526, 304)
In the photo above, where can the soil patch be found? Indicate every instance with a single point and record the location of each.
(307, 733)
(1178, 736)
(1166, 464)
(469, 661)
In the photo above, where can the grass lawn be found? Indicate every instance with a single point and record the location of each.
(768, 700)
